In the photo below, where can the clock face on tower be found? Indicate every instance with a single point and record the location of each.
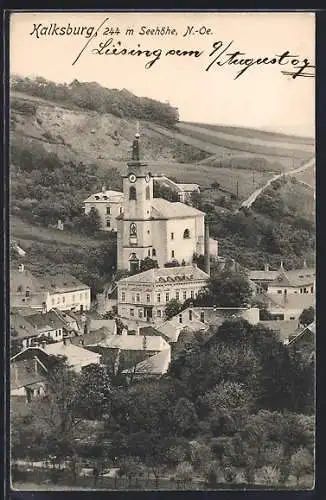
(147, 178)
(132, 178)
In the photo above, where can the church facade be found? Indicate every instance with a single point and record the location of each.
(154, 227)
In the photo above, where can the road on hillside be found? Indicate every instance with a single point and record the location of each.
(252, 198)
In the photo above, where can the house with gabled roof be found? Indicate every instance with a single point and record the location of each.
(29, 330)
(27, 378)
(296, 281)
(77, 357)
(61, 291)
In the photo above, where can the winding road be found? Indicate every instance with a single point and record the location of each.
(252, 198)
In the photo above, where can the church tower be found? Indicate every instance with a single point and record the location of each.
(134, 227)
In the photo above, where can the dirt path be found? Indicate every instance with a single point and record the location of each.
(252, 198)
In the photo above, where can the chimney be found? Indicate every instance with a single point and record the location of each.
(194, 264)
(281, 266)
(103, 189)
(266, 267)
(206, 250)
(304, 264)
(43, 344)
(35, 363)
(21, 268)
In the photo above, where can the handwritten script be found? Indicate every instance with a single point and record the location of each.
(108, 40)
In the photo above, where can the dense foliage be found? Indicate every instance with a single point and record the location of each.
(93, 266)
(92, 96)
(236, 406)
(44, 189)
(267, 233)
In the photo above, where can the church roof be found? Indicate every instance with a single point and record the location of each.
(167, 274)
(172, 210)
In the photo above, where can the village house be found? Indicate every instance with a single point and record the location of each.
(109, 205)
(128, 352)
(154, 227)
(262, 278)
(202, 318)
(65, 292)
(144, 296)
(26, 291)
(185, 191)
(27, 379)
(296, 281)
(60, 291)
(30, 330)
(77, 357)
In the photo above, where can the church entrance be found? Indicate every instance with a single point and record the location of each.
(133, 263)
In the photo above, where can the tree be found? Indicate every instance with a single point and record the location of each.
(184, 418)
(184, 473)
(147, 264)
(94, 388)
(91, 223)
(302, 462)
(173, 307)
(307, 316)
(56, 414)
(226, 289)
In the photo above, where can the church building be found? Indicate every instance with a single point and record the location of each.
(154, 227)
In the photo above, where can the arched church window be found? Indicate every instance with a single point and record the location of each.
(148, 193)
(133, 230)
(132, 193)
(186, 234)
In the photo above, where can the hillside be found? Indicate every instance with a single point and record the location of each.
(61, 152)
(234, 158)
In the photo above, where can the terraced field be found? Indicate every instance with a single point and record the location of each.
(251, 133)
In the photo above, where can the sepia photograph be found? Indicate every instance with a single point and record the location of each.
(162, 251)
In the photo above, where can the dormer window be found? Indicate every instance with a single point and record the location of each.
(97, 197)
(186, 234)
(27, 293)
(20, 289)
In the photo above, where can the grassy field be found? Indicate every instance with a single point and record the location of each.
(245, 153)
(251, 133)
(27, 233)
(252, 145)
(308, 176)
(205, 175)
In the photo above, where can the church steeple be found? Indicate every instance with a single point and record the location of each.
(135, 146)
